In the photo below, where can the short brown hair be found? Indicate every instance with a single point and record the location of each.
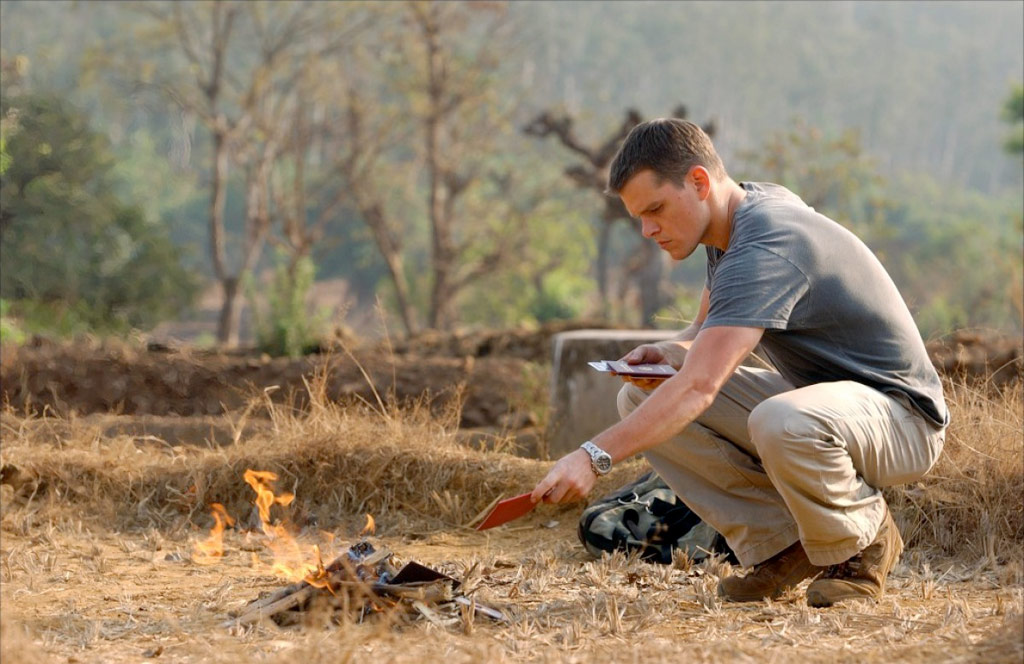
(670, 147)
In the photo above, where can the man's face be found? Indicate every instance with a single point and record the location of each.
(677, 218)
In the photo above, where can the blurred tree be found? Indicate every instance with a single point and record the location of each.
(647, 265)
(182, 53)
(451, 59)
(12, 71)
(1013, 114)
(70, 247)
(550, 278)
(8, 126)
(234, 65)
(284, 324)
(956, 255)
(830, 172)
(291, 182)
(337, 132)
(360, 164)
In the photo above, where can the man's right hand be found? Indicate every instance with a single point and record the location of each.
(645, 354)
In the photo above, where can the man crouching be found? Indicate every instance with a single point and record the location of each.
(787, 464)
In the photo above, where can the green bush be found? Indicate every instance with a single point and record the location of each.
(72, 250)
(10, 329)
(284, 324)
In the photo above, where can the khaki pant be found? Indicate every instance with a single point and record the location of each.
(768, 464)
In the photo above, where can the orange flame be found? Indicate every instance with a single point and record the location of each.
(319, 577)
(260, 480)
(289, 560)
(370, 527)
(211, 550)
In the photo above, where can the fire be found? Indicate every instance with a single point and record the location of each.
(211, 550)
(319, 577)
(291, 559)
(260, 480)
(370, 527)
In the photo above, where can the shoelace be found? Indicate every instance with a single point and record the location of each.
(845, 569)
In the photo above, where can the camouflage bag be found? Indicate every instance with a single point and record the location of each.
(648, 517)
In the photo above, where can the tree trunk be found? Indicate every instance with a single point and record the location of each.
(651, 281)
(397, 269)
(442, 252)
(603, 257)
(227, 323)
(391, 251)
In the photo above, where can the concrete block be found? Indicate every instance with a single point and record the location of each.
(583, 399)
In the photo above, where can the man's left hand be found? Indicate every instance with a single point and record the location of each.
(571, 478)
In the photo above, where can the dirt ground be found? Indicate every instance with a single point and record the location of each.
(499, 378)
(98, 523)
(101, 596)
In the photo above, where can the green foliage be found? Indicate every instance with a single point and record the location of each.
(8, 127)
(11, 331)
(556, 299)
(70, 246)
(284, 324)
(56, 318)
(681, 311)
(547, 270)
(830, 171)
(956, 255)
(1013, 114)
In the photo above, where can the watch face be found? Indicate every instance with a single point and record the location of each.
(603, 462)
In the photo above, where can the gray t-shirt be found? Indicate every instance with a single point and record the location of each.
(829, 309)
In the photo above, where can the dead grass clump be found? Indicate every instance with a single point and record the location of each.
(402, 463)
(970, 503)
(339, 463)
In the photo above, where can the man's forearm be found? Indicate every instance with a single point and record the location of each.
(662, 415)
(678, 401)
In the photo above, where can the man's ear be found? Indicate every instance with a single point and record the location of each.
(701, 181)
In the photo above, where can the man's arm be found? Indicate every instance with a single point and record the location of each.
(666, 351)
(713, 356)
(690, 333)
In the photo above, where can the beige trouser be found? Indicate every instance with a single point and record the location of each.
(768, 464)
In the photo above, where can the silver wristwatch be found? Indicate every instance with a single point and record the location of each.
(600, 460)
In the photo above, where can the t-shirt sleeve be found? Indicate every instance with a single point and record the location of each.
(754, 287)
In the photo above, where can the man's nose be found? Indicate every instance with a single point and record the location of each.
(648, 228)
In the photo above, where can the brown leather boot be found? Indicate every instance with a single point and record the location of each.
(770, 578)
(863, 576)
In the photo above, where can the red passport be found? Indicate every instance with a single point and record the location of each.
(507, 510)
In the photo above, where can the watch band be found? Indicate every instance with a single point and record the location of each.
(600, 461)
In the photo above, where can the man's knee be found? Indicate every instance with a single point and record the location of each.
(777, 427)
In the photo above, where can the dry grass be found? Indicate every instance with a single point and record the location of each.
(339, 462)
(97, 531)
(969, 506)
